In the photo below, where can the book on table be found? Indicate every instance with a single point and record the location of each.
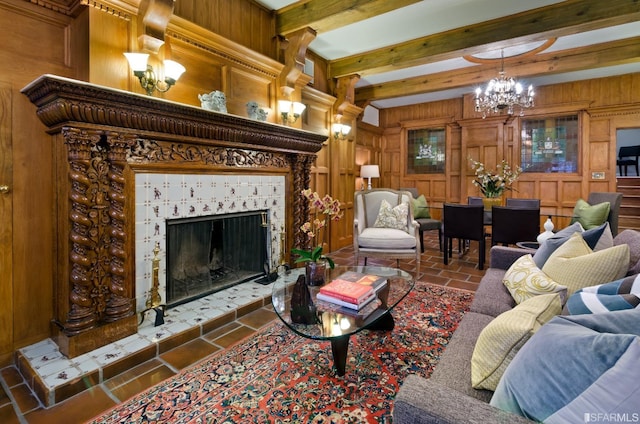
(374, 281)
(340, 302)
(347, 291)
(364, 312)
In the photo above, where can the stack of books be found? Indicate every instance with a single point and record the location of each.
(352, 290)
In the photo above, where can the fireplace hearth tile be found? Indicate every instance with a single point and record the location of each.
(54, 373)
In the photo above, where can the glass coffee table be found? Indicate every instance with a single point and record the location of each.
(325, 321)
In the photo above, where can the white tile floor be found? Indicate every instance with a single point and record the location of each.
(54, 369)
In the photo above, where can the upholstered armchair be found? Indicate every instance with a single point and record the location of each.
(395, 235)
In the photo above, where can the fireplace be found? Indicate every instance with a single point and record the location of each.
(173, 201)
(211, 253)
(124, 164)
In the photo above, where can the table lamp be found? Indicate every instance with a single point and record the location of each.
(369, 171)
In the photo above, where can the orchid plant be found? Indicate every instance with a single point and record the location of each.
(493, 184)
(326, 208)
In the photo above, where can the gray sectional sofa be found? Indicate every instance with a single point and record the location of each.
(447, 396)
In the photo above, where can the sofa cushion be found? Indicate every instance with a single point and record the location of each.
(597, 238)
(392, 216)
(424, 401)
(590, 216)
(632, 239)
(388, 237)
(504, 336)
(492, 297)
(525, 280)
(617, 295)
(603, 239)
(420, 207)
(576, 266)
(600, 379)
(454, 366)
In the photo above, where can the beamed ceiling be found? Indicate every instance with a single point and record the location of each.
(409, 51)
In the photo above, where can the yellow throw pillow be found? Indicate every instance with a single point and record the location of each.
(576, 266)
(525, 280)
(503, 337)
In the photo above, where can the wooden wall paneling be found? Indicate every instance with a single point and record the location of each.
(454, 165)
(79, 46)
(109, 38)
(599, 158)
(6, 228)
(33, 225)
(484, 141)
(548, 196)
(317, 115)
(244, 87)
(242, 21)
(42, 30)
(343, 172)
(570, 192)
(368, 148)
(205, 73)
(391, 161)
(40, 43)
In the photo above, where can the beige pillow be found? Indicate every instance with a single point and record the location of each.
(499, 341)
(392, 217)
(525, 280)
(576, 266)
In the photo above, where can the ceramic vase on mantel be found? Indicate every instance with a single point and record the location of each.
(490, 202)
(315, 272)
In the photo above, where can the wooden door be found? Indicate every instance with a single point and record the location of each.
(6, 226)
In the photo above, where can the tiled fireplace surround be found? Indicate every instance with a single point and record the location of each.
(162, 197)
(124, 164)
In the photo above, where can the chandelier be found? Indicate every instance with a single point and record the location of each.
(503, 93)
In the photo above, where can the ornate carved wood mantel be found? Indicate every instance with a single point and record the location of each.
(102, 137)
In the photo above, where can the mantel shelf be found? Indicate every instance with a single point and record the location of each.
(62, 100)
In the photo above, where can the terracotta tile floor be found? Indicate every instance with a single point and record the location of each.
(18, 404)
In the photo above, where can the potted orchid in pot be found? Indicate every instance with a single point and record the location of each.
(326, 209)
(493, 184)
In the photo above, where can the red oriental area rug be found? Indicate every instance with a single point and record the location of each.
(276, 376)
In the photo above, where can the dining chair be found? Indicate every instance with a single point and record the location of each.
(477, 200)
(426, 224)
(511, 224)
(523, 203)
(463, 222)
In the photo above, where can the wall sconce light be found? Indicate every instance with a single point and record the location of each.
(340, 131)
(369, 171)
(290, 111)
(147, 77)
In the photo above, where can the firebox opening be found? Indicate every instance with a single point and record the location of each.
(208, 254)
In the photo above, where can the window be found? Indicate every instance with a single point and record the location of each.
(425, 151)
(550, 144)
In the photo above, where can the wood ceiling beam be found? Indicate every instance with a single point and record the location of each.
(565, 18)
(326, 15)
(590, 57)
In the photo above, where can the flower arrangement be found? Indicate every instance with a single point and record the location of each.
(493, 184)
(326, 208)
